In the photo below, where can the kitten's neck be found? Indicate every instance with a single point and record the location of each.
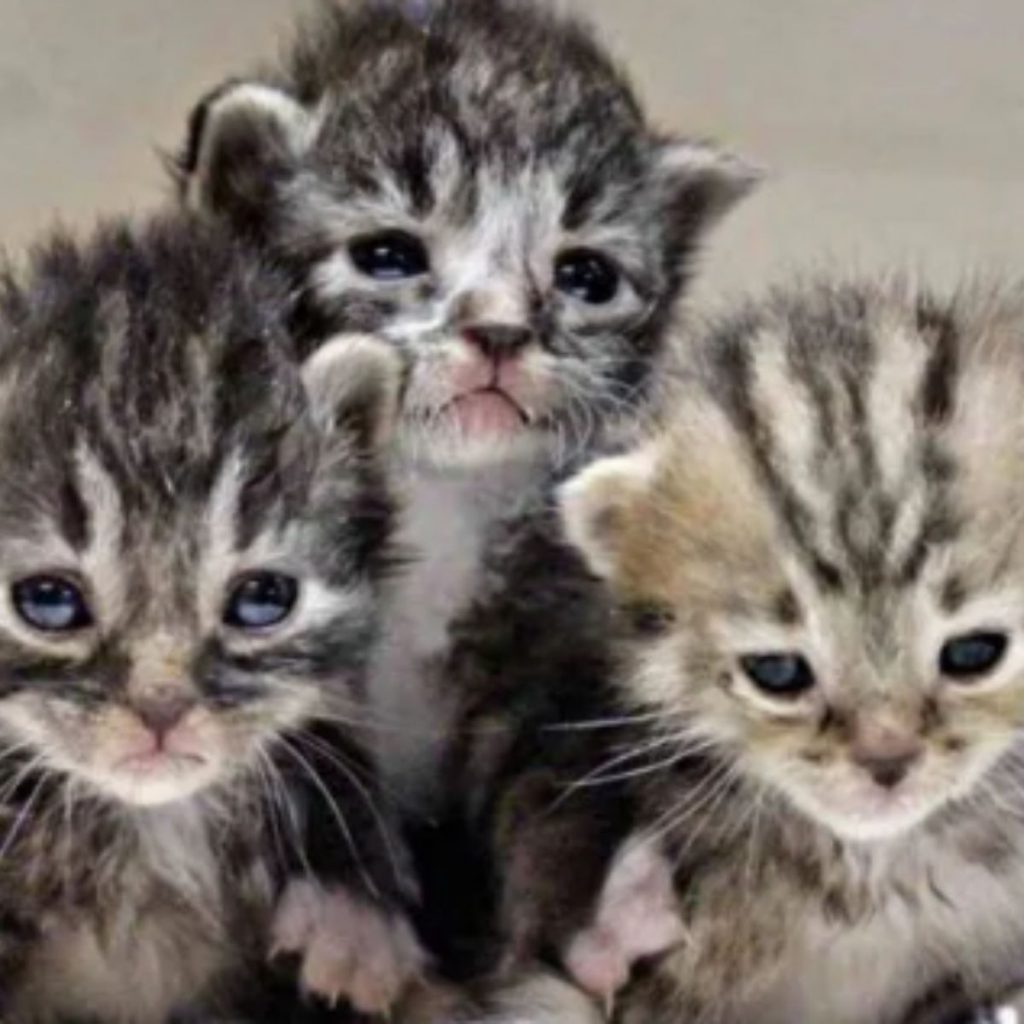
(448, 516)
(483, 494)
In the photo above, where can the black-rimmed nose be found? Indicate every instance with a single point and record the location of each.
(498, 341)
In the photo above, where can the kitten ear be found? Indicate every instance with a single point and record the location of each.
(595, 507)
(244, 139)
(702, 182)
(354, 384)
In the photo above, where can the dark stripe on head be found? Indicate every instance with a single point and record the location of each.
(733, 358)
(937, 389)
(73, 516)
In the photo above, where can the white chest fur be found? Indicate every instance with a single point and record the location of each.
(947, 916)
(448, 516)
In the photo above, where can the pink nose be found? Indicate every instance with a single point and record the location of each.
(889, 771)
(885, 751)
(161, 714)
(497, 341)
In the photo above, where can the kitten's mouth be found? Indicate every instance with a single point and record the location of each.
(154, 762)
(489, 410)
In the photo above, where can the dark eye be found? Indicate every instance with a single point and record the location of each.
(780, 675)
(972, 655)
(260, 600)
(587, 275)
(52, 604)
(390, 256)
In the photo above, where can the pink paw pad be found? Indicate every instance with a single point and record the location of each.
(349, 948)
(637, 916)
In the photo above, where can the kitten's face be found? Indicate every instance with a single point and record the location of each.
(189, 552)
(831, 533)
(486, 196)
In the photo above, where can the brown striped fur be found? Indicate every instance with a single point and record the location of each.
(842, 478)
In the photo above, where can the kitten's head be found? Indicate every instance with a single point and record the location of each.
(193, 527)
(481, 188)
(823, 555)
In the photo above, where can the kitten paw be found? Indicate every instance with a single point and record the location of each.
(349, 948)
(637, 916)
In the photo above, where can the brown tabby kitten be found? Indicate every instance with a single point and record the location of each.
(791, 787)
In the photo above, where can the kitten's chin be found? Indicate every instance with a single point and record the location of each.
(151, 782)
(471, 443)
(874, 818)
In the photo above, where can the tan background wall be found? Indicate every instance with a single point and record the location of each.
(895, 128)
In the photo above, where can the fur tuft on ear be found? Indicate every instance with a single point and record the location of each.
(702, 181)
(596, 504)
(244, 138)
(354, 384)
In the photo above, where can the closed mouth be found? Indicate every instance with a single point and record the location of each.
(497, 392)
(157, 761)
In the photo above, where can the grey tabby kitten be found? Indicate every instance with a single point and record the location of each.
(474, 181)
(194, 537)
(763, 760)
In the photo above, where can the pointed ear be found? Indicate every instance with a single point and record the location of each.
(244, 139)
(701, 182)
(354, 384)
(596, 507)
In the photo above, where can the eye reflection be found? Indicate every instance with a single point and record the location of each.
(51, 604)
(587, 275)
(260, 600)
(779, 675)
(969, 657)
(390, 256)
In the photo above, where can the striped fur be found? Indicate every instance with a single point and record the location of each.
(159, 437)
(500, 134)
(841, 476)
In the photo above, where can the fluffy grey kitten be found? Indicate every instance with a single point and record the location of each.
(475, 181)
(769, 746)
(194, 536)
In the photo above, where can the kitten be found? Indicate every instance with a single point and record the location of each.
(475, 181)
(195, 532)
(769, 748)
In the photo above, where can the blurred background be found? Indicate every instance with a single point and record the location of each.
(894, 129)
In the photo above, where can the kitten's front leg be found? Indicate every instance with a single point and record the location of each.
(637, 916)
(578, 884)
(343, 908)
(351, 947)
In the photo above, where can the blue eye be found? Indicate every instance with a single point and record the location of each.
(51, 604)
(390, 256)
(779, 675)
(260, 600)
(972, 655)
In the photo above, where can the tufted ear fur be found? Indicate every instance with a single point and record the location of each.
(244, 140)
(596, 507)
(354, 384)
(700, 182)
